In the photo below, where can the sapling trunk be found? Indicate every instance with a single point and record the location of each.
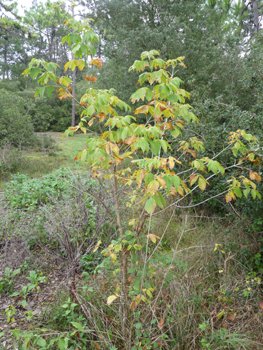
(123, 296)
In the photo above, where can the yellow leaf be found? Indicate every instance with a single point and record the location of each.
(180, 191)
(228, 197)
(171, 163)
(113, 257)
(134, 304)
(97, 246)
(202, 183)
(107, 148)
(153, 237)
(162, 182)
(111, 299)
(114, 148)
(97, 62)
(132, 222)
(91, 122)
(254, 176)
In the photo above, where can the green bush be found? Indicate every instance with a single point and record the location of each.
(16, 127)
(23, 192)
(11, 161)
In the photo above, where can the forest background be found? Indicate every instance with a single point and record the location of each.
(222, 45)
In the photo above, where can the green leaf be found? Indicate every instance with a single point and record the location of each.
(161, 198)
(62, 344)
(246, 192)
(158, 201)
(215, 167)
(155, 147)
(169, 181)
(83, 156)
(42, 91)
(149, 94)
(237, 191)
(49, 90)
(34, 72)
(150, 205)
(138, 325)
(175, 133)
(16, 272)
(164, 145)
(254, 193)
(64, 39)
(41, 342)
(92, 50)
(148, 178)
(74, 38)
(78, 326)
(90, 110)
(142, 144)
(176, 181)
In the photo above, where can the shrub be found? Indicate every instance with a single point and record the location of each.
(16, 127)
(11, 161)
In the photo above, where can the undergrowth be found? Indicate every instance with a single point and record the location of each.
(201, 294)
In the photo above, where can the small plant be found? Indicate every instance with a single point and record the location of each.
(10, 311)
(24, 293)
(88, 262)
(24, 266)
(7, 282)
(222, 339)
(28, 315)
(35, 279)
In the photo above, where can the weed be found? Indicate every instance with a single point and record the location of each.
(10, 312)
(7, 282)
(24, 293)
(35, 279)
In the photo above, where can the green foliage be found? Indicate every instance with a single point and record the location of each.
(10, 311)
(23, 192)
(220, 117)
(11, 162)
(88, 262)
(222, 339)
(35, 279)
(23, 294)
(7, 282)
(15, 122)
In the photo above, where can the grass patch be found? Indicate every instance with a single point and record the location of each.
(38, 162)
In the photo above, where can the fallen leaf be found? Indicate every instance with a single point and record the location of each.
(133, 305)
(260, 304)
(161, 323)
(231, 317)
(111, 299)
(97, 345)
